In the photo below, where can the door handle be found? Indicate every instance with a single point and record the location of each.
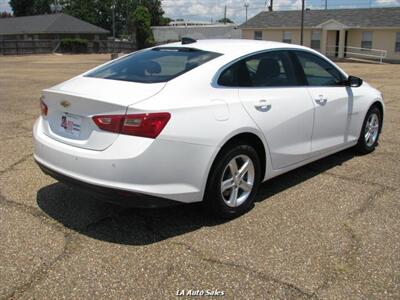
(321, 100)
(263, 106)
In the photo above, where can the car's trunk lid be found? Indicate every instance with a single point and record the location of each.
(72, 104)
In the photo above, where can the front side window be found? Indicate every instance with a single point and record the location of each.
(397, 48)
(366, 41)
(287, 37)
(318, 71)
(258, 35)
(270, 69)
(316, 39)
(154, 65)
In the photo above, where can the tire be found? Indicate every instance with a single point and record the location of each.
(370, 131)
(224, 204)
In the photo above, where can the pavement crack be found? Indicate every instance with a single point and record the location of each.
(13, 165)
(42, 272)
(367, 204)
(352, 179)
(8, 138)
(246, 270)
(350, 256)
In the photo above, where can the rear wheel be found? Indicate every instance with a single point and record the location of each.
(370, 131)
(233, 182)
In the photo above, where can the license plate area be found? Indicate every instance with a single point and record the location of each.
(71, 125)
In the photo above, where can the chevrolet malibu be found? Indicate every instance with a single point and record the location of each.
(203, 121)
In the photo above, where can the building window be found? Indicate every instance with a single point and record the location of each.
(397, 42)
(258, 35)
(287, 37)
(366, 41)
(316, 39)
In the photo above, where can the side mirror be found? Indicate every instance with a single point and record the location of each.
(354, 81)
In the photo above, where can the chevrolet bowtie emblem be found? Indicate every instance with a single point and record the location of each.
(65, 104)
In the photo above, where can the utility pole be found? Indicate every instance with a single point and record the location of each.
(246, 5)
(302, 22)
(225, 14)
(113, 26)
(326, 4)
(113, 19)
(271, 5)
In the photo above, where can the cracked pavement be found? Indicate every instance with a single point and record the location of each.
(330, 230)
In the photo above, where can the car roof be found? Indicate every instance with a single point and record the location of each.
(234, 47)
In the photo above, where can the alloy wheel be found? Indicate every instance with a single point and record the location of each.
(371, 131)
(237, 180)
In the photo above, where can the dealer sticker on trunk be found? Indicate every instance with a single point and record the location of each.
(71, 124)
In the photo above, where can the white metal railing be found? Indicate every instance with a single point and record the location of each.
(358, 51)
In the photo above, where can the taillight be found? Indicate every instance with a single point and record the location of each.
(144, 125)
(43, 107)
(109, 123)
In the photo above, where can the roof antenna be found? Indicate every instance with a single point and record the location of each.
(188, 40)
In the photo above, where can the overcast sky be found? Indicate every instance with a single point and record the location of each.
(214, 9)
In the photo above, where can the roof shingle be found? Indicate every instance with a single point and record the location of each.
(354, 18)
(52, 23)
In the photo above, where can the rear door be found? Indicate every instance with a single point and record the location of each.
(332, 99)
(283, 110)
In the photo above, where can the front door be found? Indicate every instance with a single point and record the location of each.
(332, 101)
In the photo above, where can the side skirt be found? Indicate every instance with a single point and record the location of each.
(275, 173)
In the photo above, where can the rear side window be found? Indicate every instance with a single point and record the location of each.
(318, 71)
(155, 65)
(270, 69)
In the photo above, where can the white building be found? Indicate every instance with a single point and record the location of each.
(165, 34)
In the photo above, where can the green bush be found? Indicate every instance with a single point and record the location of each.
(74, 45)
(140, 24)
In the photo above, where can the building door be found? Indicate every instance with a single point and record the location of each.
(331, 42)
(337, 43)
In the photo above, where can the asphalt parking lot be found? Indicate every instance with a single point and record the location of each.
(329, 230)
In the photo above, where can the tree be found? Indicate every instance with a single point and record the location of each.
(41, 7)
(156, 11)
(140, 22)
(30, 7)
(22, 7)
(225, 20)
(85, 10)
(165, 21)
(99, 12)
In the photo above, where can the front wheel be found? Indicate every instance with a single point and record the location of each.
(370, 131)
(233, 182)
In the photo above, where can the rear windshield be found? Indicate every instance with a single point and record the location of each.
(155, 65)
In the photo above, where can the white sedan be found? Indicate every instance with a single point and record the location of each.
(203, 121)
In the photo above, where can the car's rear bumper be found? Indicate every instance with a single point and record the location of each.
(119, 197)
(167, 169)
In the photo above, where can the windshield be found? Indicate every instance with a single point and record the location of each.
(155, 65)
